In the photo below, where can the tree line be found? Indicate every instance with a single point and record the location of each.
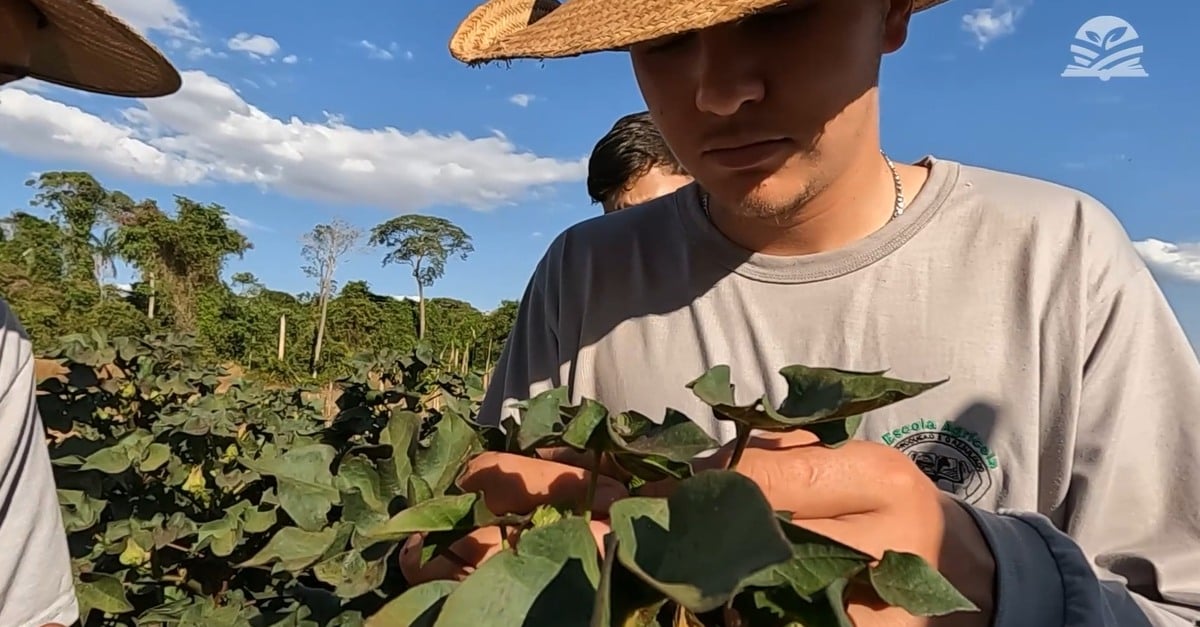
(56, 272)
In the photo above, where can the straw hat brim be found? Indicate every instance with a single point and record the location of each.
(503, 30)
(85, 47)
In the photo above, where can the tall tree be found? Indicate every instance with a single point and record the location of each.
(247, 283)
(78, 203)
(105, 248)
(323, 247)
(183, 254)
(424, 243)
(35, 246)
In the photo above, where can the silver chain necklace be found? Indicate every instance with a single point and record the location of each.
(897, 209)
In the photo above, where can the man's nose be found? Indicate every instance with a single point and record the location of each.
(726, 75)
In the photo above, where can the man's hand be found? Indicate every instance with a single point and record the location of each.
(866, 495)
(873, 498)
(511, 484)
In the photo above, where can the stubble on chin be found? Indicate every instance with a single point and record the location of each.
(780, 203)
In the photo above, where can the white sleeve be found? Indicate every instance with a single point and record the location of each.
(36, 583)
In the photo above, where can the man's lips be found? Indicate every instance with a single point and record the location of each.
(747, 155)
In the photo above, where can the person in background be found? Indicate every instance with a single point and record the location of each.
(1054, 477)
(75, 44)
(632, 164)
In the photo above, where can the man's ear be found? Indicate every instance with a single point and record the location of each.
(895, 24)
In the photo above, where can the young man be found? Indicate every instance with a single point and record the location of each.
(1064, 443)
(74, 43)
(632, 164)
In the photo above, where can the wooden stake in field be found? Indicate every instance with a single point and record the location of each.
(282, 333)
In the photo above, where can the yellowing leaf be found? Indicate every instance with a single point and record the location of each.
(134, 554)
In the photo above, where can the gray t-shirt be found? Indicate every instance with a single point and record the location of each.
(36, 583)
(1070, 410)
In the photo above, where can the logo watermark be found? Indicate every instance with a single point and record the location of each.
(1106, 47)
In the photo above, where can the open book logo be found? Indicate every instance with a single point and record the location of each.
(1106, 47)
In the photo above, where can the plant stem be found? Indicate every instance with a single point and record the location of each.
(593, 480)
(739, 446)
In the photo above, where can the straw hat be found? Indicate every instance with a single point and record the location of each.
(501, 30)
(85, 47)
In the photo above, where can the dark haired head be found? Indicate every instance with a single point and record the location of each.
(632, 149)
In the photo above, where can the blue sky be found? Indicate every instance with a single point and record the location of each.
(296, 113)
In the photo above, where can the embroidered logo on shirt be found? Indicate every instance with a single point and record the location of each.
(954, 458)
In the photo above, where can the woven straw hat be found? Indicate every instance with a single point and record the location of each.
(501, 30)
(85, 47)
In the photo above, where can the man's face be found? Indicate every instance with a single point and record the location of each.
(764, 112)
(18, 27)
(654, 183)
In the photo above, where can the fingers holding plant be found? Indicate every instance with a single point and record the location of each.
(466, 555)
(516, 484)
(515, 487)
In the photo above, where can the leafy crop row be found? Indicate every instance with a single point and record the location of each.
(195, 498)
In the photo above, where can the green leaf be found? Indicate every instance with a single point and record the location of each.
(583, 426)
(566, 539)
(419, 606)
(294, 549)
(305, 483)
(674, 545)
(402, 431)
(821, 394)
(255, 520)
(782, 606)
(418, 491)
(79, 510)
(908, 581)
(352, 574)
(112, 460)
(444, 513)
(156, 455)
(223, 534)
(357, 474)
(836, 432)
(817, 562)
(102, 592)
(815, 396)
(549, 583)
(542, 423)
(546, 515)
(654, 451)
(452, 444)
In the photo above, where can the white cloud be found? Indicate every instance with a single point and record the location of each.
(375, 51)
(254, 45)
(1181, 261)
(168, 18)
(208, 133)
(522, 100)
(200, 52)
(290, 59)
(164, 16)
(247, 224)
(994, 22)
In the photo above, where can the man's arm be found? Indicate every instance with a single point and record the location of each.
(1134, 502)
(529, 362)
(1128, 550)
(36, 583)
